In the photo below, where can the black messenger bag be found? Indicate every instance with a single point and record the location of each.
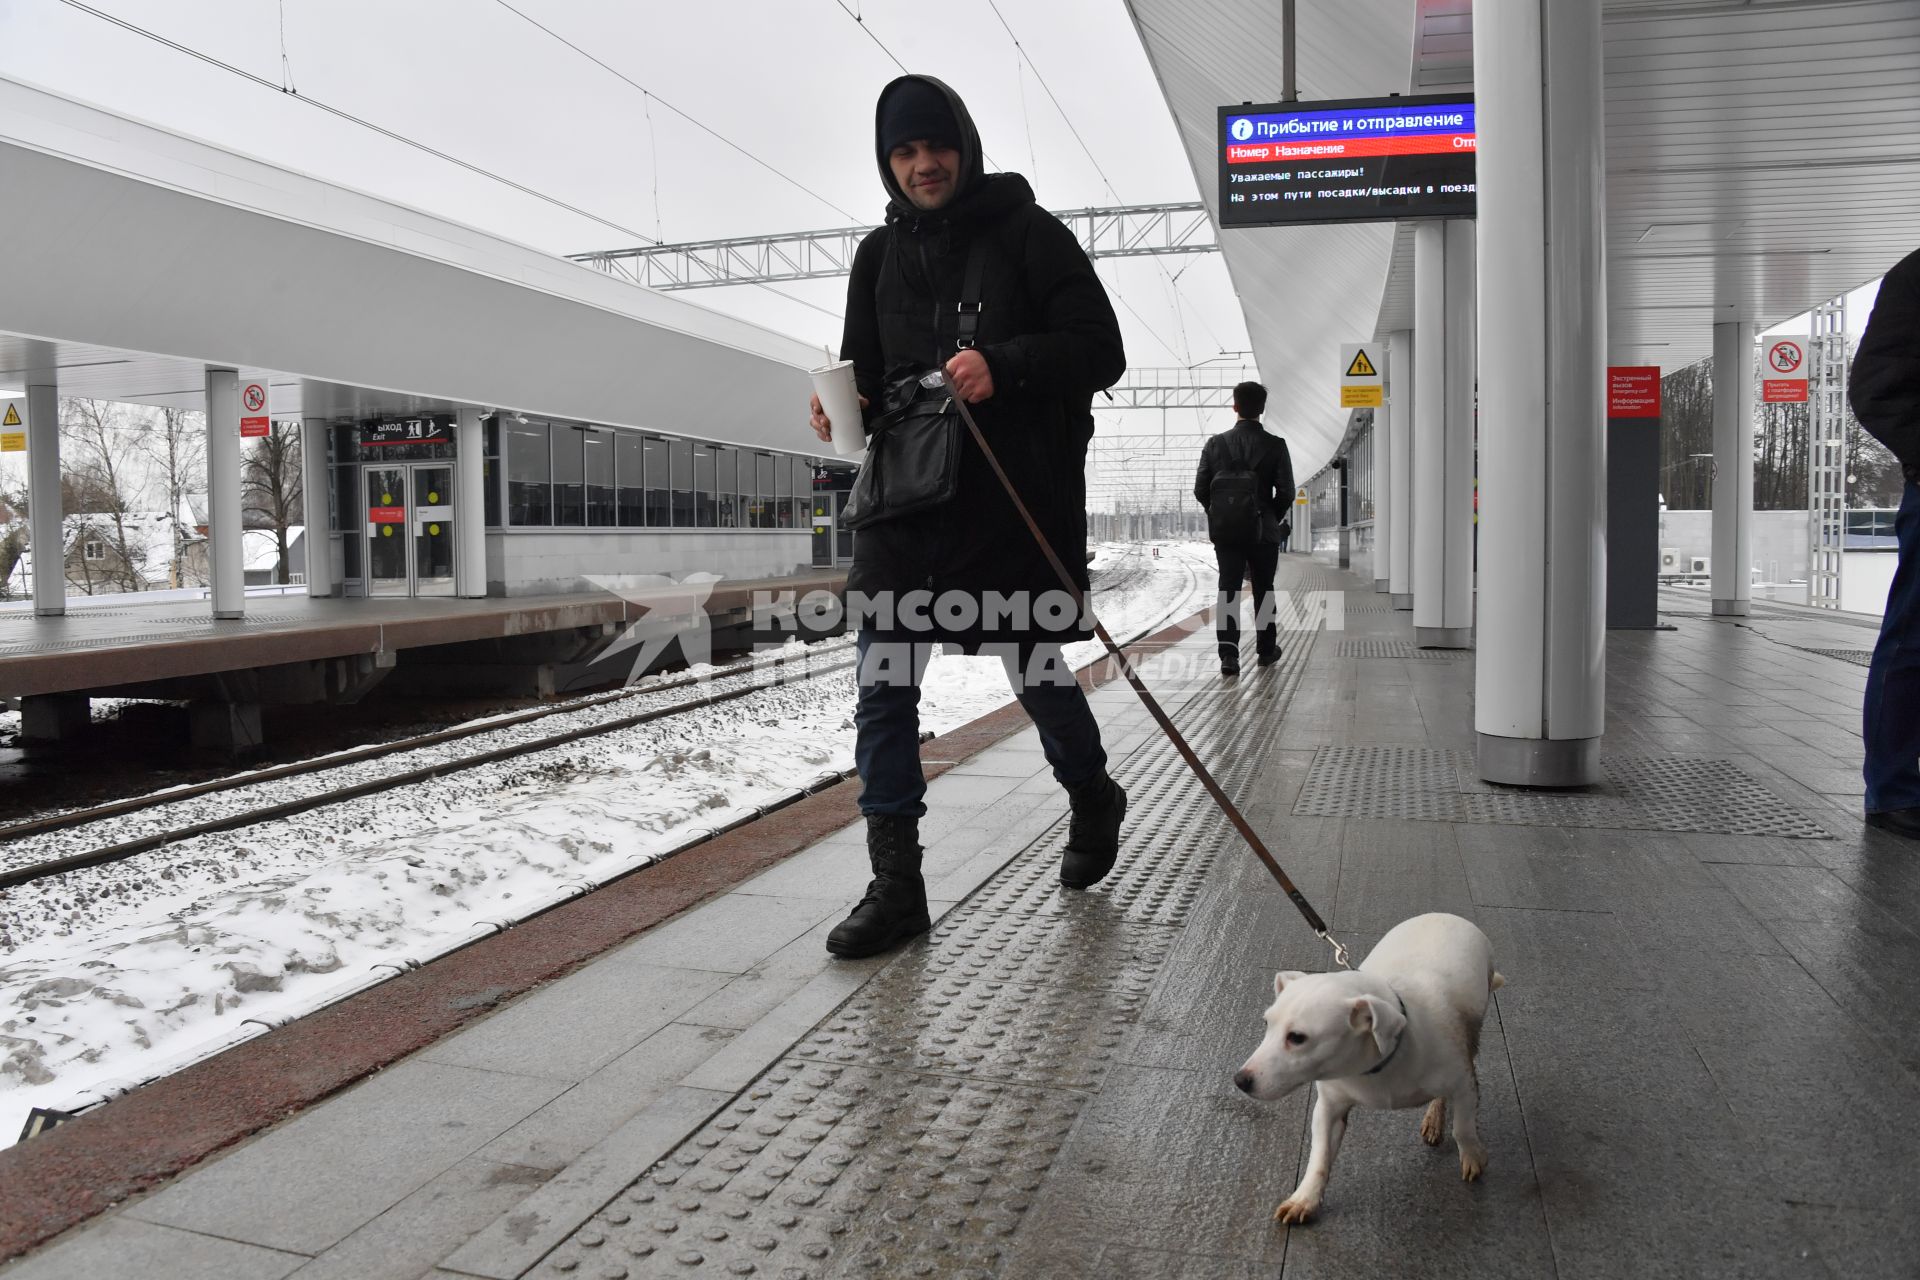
(913, 448)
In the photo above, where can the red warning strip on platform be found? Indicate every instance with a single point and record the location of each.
(1425, 144)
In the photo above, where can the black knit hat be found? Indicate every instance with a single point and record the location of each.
(915, 110)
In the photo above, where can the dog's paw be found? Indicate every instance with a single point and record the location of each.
(1473, 1162)
(1294, 1209)
(1433, 1125)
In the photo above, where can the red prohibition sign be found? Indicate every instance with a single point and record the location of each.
(1784, 356)
(255, 397)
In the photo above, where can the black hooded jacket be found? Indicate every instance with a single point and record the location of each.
(1884, 388)
(1050, 340)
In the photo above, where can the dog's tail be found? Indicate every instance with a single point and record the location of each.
(1497, 981)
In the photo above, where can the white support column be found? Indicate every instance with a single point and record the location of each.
(1443, 394)
(44, 513)
(226, 563)
(314, 487)
(470, 510)
(1732, 467)
(1382, 479)
(1398, 491)
(1540, 673)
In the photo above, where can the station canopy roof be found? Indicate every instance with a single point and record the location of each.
(1761, 159)
(132, 258)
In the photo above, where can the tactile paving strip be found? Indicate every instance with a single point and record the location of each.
(1393, 649)
(1640, 794)
(779, 1183)
(906, 1134)
(1858, 657)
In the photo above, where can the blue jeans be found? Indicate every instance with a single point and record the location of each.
(886, 720)
(1892, 710)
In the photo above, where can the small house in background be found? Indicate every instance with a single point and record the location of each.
(261, 556)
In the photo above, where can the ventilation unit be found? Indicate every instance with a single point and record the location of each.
(1700, 564)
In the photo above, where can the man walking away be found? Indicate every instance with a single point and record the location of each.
(1885, 391)
(1245, 483)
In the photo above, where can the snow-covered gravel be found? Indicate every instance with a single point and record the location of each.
(117, 974)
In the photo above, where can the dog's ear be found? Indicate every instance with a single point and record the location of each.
(1372, 1016)
(1282, 978)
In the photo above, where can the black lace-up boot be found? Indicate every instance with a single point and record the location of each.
(895, 908)
(1093, 834)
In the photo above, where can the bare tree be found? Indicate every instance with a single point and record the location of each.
(177, 445)
(271, 489)
(100, 446)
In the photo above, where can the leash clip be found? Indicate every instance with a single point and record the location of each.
(1339, 950)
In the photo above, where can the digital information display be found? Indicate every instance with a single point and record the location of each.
(1352, 161)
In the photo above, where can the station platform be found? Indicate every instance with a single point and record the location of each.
(297, 648)
(1704, 1062)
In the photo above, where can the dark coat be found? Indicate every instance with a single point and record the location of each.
(1231, 450)
(1050, 340)
(1884, 387)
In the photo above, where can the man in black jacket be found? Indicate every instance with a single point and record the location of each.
(1885, 392)
(1248, 447)
(1045, 341)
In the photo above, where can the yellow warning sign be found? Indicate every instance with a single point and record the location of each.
(13, 442)
(13, 416)
(1361, 366)
(1362, 397)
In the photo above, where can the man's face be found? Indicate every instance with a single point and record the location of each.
(926, 171)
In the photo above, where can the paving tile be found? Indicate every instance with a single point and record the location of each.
(1393, 870)
(762, 989)
(515, 1241)
(999, 763)
(756, 1047)
(316, 1180)
(552, 1137)
(406, 1240)
(1392, 1197)
(1236, 1159)
(571, 1028)
(730, 934)
(1861, 1244)
(123, 1246)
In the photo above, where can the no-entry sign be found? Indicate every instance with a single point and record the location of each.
(1783, 370)
(253, 410)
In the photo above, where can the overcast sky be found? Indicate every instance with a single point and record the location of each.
(790, 81)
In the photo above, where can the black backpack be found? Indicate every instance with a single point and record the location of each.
(1233, 503)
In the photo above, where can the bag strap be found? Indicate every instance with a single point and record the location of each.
(969, 308)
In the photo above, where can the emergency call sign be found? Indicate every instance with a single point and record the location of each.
(1354, 160)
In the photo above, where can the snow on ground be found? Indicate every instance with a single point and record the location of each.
(116, 974)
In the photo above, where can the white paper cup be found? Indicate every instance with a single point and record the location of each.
(840, 401)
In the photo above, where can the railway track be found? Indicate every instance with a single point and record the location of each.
(738, 680)
(735, 681)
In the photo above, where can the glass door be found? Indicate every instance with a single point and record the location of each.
(432, 529)
(386, 488)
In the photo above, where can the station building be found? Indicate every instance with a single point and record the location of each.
(478, 418)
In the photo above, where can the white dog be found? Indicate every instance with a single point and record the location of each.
(1400, 1030)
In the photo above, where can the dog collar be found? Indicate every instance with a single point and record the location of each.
(1381, 1065)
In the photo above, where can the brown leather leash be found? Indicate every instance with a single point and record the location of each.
(1160, 716)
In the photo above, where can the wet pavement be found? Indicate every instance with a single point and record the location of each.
(1705, 1062)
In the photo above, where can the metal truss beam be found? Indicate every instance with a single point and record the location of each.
(1123, 231)
(1204, 387)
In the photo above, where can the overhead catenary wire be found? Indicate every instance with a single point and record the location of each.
(348, 116)
(1091, 159)
(855, 15)
(709, 131)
